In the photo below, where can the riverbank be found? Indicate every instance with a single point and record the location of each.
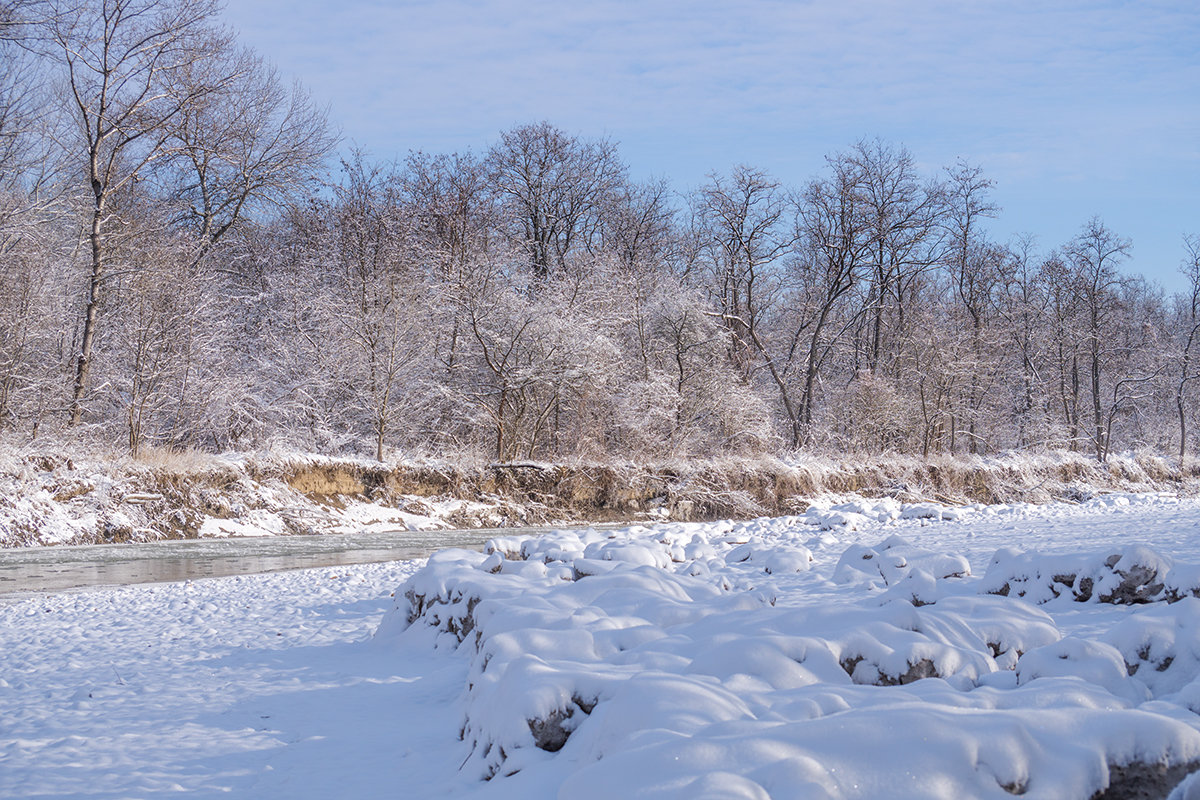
(56, 497)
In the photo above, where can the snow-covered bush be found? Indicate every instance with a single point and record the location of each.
(1129, 575)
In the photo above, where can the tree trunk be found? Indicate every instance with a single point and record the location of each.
(83, 365)
(1097, 414)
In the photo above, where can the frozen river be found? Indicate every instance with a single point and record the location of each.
(30, 570)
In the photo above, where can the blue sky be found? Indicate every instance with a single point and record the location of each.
(1074, 108)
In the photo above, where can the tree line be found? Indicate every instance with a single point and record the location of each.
(178, 267)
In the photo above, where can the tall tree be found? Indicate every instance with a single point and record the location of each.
(1094, 255)
(1189, 335)
(1023, 309)
(245, 141)
(743, 232)
(33, 224)
(902, 218)
(124, 66)
(974, 266)
(378, 312)
(555, 188)
(834, 250)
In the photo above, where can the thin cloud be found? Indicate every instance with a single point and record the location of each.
(1037, 92)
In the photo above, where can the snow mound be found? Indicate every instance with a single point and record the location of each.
(864, 512)
(911, 753)
(1125, 576)
(895, 559)
(1161, 648)
(674, 662)
(1093, 662)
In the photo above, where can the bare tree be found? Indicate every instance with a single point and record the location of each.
(381, 292)
(902, 218)
(1023, 307)
(32, 258)
(123, 63)
(248, 145)
(32, 230)
(710, 409)
(143, 358)
(451, 202)
(1190, 333)
(975, 269)
(641, 233)
(1064, 304)
(503, 331)
(555, 188)
(833, 256)
(244, 142)
(453, 211)
(1094, 255)
(640, 225)
(740, 225)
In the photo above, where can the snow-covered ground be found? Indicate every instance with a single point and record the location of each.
(859, 651)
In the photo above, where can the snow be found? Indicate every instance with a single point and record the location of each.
(253, 523)
(796, 657)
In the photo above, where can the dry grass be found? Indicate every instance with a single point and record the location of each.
(724, 487)
(183, 462)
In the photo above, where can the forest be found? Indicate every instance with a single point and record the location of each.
(191, 257)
